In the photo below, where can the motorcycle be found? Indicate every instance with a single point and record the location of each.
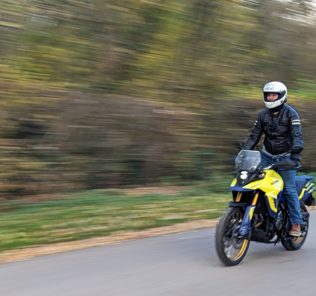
(259, 211)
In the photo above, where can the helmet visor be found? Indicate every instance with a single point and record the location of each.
(271, 96)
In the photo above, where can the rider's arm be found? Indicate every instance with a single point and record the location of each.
(254, 136)
(296, 135)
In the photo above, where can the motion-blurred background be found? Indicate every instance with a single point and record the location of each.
(104, 93)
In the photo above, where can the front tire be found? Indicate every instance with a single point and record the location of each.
(230, 248)
(291, 243)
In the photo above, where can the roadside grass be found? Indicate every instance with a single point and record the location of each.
(103, 212)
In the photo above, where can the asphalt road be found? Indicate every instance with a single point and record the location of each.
(181, 264)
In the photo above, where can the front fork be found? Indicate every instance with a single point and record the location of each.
(245, 227)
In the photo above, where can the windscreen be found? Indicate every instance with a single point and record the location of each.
(247, 160)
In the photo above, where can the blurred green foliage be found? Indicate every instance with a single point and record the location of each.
(103, 93)
(102, 212)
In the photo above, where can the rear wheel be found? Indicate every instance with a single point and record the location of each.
(231, 249)
(292, 243)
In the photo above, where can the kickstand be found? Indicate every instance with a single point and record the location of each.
(276, 241)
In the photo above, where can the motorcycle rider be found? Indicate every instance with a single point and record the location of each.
(283, 141)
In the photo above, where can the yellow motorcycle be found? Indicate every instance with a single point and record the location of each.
(259, 211)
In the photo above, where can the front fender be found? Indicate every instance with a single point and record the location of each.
(242, 205)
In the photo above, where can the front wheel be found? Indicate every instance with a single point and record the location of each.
(294, 243)
(231, 249)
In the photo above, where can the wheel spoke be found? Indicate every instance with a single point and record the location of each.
(230, 251)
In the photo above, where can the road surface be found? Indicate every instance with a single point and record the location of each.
(182, 264)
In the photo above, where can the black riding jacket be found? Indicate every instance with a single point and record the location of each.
(282, 131)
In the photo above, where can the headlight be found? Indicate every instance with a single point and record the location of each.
(243, 175)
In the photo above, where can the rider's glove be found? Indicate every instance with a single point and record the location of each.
(296, 157)
(295, 153)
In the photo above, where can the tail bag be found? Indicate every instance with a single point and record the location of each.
(305, 187)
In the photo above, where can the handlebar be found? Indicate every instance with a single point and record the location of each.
(284, 164)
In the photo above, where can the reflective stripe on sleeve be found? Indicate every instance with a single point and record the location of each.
(296, 122)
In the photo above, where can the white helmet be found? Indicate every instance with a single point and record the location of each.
(274, 87)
